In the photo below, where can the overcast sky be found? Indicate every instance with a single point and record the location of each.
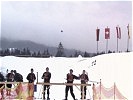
(42, 22)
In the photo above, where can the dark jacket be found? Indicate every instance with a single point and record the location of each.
(71, 77)
(10, 77)
(18, 77)
(31, 77)
(2, 79)
(46, 76)
(84, 78)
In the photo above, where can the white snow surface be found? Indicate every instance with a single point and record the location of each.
(110, 68)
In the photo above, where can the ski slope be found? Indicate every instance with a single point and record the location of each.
(110, 68)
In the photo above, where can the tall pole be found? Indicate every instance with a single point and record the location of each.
(107, 36)
(97, 37)
(127, 44)
(100, 89)
(97, 47)
(114, 91)
(117, 44)
(107, 46)
(128, 38)
(37, 77)
(117, 35)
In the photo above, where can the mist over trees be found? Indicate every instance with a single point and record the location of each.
(26, 52)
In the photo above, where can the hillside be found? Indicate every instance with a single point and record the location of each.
(34, 47)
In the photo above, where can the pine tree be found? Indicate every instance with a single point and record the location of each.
(85, 54)
(34, 54)
(47, 53)
(60, 51)
(28, 52)
(76, 54)
(39, 54)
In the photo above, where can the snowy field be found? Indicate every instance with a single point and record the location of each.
(110, 68)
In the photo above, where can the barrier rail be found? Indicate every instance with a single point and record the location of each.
(42, 83)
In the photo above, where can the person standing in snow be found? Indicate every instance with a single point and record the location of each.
(46, 76)
(31, 78)
(70, 78)
(17, 77)
(10, 78)
(84, 79)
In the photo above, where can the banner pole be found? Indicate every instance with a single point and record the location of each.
(117, 44)
(107, 46)
(100, 89)
(97, 47)
(128, 38)
(114, 91)
(127, 44)
(37, 77)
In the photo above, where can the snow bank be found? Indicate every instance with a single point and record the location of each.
(115, 67)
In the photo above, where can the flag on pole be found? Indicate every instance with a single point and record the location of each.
(97, 34)
(118, 30)
(128, 31)
(107, 33)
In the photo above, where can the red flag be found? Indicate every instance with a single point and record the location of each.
(107, 33)
(128, 31)
(118, 30)
(97, 34)
(119, 35)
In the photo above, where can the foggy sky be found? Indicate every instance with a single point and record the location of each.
(42, 22)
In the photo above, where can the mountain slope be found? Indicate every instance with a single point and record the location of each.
(35, 47)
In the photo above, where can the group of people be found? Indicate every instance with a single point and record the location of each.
(14, 76)
(70, 78)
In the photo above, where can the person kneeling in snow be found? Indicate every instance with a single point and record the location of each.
(70, 79)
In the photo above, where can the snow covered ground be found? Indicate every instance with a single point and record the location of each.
(110, 68)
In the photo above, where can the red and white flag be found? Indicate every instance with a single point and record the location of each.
(97, 34)
(118, 30)
(107, 33)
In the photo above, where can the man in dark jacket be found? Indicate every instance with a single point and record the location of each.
(84, 79)
(2, 79)
(18, 77)
(31, 78)
(10, 78)
(46, 76)
(70, 78)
